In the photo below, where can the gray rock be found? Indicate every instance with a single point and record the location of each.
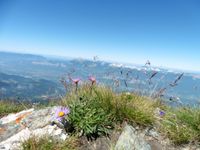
(101, 143)
(8, 130)
(39, 118)
(131, 140)
(16, 128)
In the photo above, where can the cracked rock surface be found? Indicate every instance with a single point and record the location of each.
(15, 128)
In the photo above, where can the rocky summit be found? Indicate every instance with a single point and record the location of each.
(19, 127)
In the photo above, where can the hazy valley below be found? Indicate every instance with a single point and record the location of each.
(36, 78)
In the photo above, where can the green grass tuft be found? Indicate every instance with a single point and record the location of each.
(182, 125)
(48, 143)
(87, 114)
(7, 107)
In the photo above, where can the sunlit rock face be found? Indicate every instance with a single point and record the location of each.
(129, 140)
(15, 128)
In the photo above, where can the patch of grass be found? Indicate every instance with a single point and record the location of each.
(189, 116)
(47, 143)
(182, 125)
(7, 107)
(95, 109)
(135, 109)
(127, 106)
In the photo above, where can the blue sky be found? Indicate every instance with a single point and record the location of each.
(165, 32)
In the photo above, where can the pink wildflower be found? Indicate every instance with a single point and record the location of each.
(76, 81)
(92, 79)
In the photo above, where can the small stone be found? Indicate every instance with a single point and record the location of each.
(152, 132)
(63, 137)
(57, 132)
(137, 127)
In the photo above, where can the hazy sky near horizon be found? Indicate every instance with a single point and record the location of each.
(165, 32)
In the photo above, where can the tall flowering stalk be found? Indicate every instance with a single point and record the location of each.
(76, 81)
(92, 79)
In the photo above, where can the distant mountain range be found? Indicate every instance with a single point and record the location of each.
(34, 78)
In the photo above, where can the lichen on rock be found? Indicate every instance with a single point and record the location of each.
(16, 128)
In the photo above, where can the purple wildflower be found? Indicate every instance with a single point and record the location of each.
(61, 112)
(161, 113)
